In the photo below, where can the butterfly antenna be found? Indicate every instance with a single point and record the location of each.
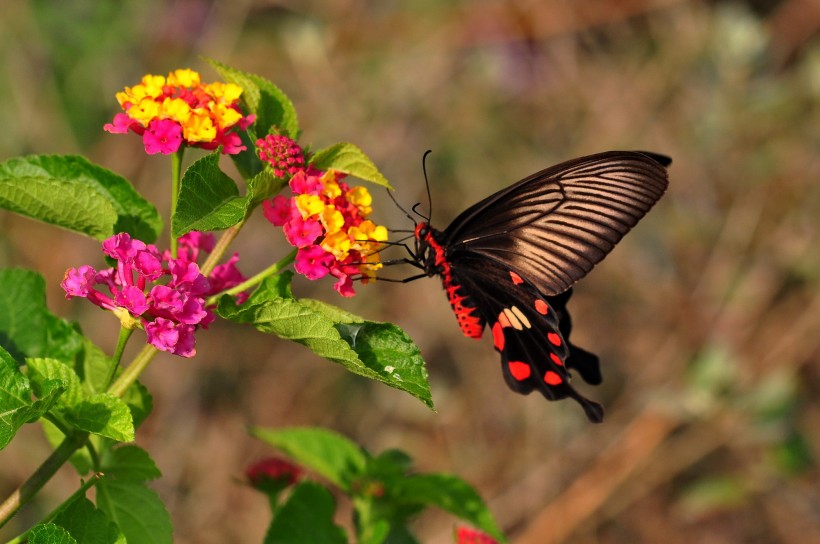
(396, 202)
(427, 185)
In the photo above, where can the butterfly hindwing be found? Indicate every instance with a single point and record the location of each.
(531, 332)
(555, 225)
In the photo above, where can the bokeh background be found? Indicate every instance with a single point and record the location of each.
(706, 317)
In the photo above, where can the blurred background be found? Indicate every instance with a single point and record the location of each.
(706, 317)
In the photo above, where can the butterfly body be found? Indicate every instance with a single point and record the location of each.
(509, 261)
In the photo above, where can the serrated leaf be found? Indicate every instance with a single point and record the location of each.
(307, 516)
(130, 463)
(449, 493)
(103, 414)
(42, 371)
(49, 533)
(208, 199)
(88, 525)
(139, 401)
(325, 452)
(334, 313)
(262, 186)
(137, 511)
(92, 367)
(349, 159)
(69, 191)
(27, 328)
(16, 406)
(272, 107)
(379, 351)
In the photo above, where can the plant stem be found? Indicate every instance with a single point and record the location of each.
(133, 371)
(125, 334)
(220, 248)
(275, 268)
(176, 170)
(92, 481)
(43, 474)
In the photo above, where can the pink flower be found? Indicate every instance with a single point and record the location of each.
(303, 184)
(77, 282)
(275, 471)
(120, 125)
(302, 232)
(313, 262)
(162, 136)
(172, 337)
(279, 210)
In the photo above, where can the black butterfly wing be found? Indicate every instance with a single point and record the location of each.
(531, 332)
(555, 225)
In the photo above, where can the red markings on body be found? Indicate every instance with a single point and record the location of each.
(541, 307)
(555, 339)
(557, 360)
(552, 378)
(498, 336)
(520, 371)
(516, 279)
(471, 323)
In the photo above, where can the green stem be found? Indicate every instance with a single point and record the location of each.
(220, 248)
(88, 484)
(176, 171)
(275, 268)
(133, 371)
(125, 334)
(43, 474)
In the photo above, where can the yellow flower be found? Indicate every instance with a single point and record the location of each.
(144, 111)
(226, 93)
(199, 127)
(360, 197)
(309, 205)
(332, 219)
(338, 244)
(184, 77)
(225, 116)
(331, 188)
(176, 109)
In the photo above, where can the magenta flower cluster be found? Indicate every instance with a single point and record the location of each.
(165, 295)
(284, 155)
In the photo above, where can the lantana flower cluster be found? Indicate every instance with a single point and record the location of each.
(165, 295)
(179, 109)
(326, 220)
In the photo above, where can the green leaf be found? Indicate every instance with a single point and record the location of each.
(27, 328)
(262, 186)
(49, 533)
(16, 406)
(103, 414)
(329, 454)
(379, 351)
(130, 463)
(449, 493)
(139, 401)
(80, 459)
(92, 367)
(307, 516)
(87, 524)
(42, 371)
(70, 192)
(208, 199)
(346, 157)
(272, 107)
(137, 511)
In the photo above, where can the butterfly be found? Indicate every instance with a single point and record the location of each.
(508, 263)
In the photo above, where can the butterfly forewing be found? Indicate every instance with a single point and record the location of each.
(555, 225)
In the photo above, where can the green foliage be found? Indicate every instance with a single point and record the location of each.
(384, 492)
(69, 191)
(349, 159)
(306, 516)
(380, 351)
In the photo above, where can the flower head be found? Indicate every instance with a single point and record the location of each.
(465, 535)
(180, 110)
(327, 221)
(273, 470)
(165, 295)
(282, 153)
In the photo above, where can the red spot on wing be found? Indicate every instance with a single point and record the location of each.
(555, 339)
(520, 371)
(541, 307)
(516, 279)
(557, 360)
(552, 378)
(498, 336)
